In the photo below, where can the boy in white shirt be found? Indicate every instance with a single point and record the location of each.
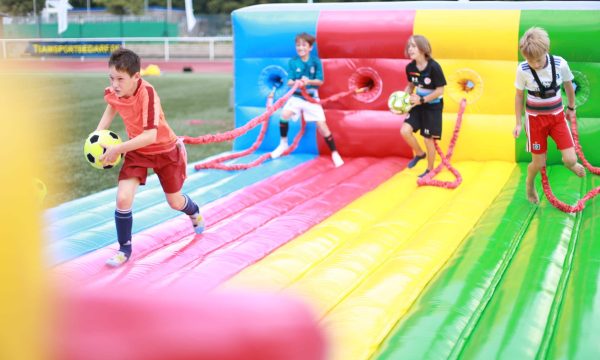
(541, 75)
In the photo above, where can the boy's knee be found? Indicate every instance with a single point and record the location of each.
(175, 204)
(123, 202)
(537, 165)
(569, 160)
(406, 130)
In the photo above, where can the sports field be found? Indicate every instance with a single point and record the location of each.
(194, 104)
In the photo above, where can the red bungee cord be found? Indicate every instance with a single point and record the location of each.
(429, 178)
(218, 163)
(594, 170)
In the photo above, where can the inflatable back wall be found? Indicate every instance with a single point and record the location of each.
(362, 44)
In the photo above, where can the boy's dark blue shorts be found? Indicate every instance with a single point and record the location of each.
(427, 119)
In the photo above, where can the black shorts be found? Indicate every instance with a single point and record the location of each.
(428, 119)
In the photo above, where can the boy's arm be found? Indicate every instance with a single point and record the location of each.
(439, 91)
(291, 73)
(518, 112)
(570, 90)
(416, 99)
(318, 80)
(314, 82)
(147, 137)
(107, 118)
(409, 88)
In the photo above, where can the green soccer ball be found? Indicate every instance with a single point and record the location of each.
(92, 150)
(399, 102)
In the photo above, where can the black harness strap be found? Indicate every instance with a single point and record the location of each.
(542, 93)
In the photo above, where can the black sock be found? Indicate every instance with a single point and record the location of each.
(330, 142)
(124, 223)
(190, 207)
(284, 126)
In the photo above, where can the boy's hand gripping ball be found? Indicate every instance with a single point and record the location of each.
(93, 149)
(399, 102)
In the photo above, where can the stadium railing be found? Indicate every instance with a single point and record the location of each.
(167, 48)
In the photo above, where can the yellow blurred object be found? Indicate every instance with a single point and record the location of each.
(23, 299)
(40, 189)
(151, 70)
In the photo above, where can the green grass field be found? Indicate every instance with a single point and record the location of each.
(72, 105)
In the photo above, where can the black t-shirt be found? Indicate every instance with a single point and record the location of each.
(427, 80)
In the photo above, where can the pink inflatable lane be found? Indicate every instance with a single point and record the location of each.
(242, 228)
(184, 324)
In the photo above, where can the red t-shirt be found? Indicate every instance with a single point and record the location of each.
(142, 111)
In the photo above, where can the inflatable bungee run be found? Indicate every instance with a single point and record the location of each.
(361, 261)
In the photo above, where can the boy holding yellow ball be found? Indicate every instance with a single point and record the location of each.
(152, 144)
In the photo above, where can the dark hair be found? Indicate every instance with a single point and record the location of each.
(125, 60)
(306, 37)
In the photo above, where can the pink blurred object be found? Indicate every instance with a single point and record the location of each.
(195, 122)
(182, 324)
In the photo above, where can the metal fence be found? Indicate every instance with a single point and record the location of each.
(167, 48)
(206, 25)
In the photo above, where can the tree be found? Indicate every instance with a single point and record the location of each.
(122, 7)
(19, 7)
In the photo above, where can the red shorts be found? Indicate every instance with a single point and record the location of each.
(170, 167)
(539, 127)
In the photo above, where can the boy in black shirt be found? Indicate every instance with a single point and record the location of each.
(426, 76)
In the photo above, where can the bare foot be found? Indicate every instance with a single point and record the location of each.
(578, 170)
(532, 194)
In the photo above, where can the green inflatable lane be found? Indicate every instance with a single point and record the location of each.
(513, 324)
(578, 327)
(501, 293)
(447, 311)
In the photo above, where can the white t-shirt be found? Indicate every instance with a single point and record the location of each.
(525, 81)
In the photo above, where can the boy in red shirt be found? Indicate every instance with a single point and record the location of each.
(152, 144)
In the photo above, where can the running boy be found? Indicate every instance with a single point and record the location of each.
(308, 69)
(152, 144)
(426, 76)
(542, 74)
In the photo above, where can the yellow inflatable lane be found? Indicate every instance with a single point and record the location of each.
(481, 137)
(363, 267)
(359, 322)
(331, 280)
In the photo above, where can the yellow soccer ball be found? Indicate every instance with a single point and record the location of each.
(92, 150)
(399, 102)
(150, 70)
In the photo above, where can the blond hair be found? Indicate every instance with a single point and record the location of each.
(534, 43)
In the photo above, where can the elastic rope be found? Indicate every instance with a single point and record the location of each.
(218, 163)
(580, 205)
(428, 179)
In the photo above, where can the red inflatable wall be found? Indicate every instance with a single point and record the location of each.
(364, 49)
